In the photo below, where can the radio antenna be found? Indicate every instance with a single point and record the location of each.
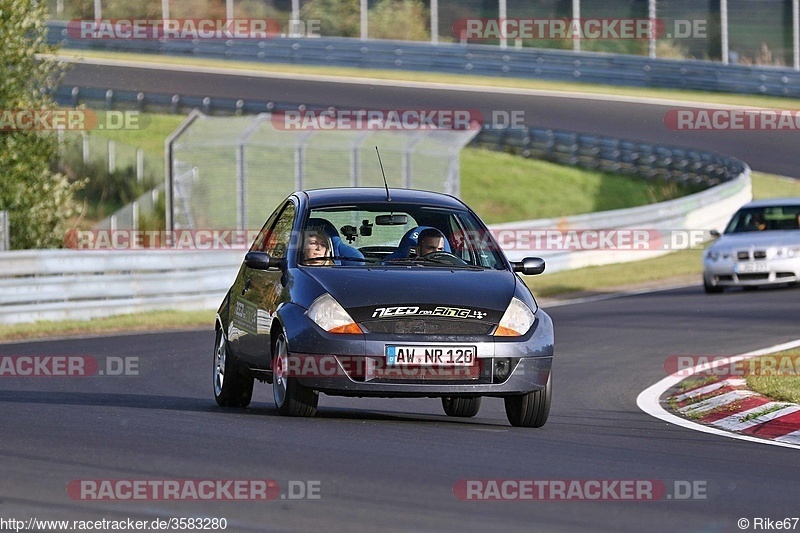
(388, 198)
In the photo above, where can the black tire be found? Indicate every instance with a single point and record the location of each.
(530, 410)
(712, 289)
(461, 407)
(232, 388)
(291, 398)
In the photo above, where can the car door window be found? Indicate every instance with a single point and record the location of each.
(274, 239)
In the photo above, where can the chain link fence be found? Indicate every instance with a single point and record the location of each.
(230, 172)
(759, 31)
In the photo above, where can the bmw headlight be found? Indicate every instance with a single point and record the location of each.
(328, 314)
(516, 321)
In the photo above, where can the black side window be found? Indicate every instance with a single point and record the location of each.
(274, 238)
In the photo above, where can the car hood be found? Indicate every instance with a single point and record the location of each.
(758, 239)
(479, 294)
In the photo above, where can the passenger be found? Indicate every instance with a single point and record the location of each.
(756, 223)
(316, 249)
(429, 240)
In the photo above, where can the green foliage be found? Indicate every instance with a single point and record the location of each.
(339, 18)
(399, 19)
(38, 201)
(103, 192)
(389, 19)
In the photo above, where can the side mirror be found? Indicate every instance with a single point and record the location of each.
(530, 266)
(261, 260)
(714, 233)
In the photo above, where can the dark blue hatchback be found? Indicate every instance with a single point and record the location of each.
(392, 293)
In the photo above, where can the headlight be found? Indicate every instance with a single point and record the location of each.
(516, 321)
(328, 314)
(712, 254)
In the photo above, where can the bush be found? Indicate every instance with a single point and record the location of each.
(38, 201)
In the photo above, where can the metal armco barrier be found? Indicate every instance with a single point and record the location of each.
(83, 284)
(650, 161)
(481, 60)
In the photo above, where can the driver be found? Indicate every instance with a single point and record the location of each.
(429, 240)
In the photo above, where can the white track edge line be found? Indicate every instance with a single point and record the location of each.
(648, 400)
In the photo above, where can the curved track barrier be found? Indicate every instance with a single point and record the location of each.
(480, 60)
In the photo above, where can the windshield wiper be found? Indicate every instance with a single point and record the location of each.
(348, 258)
(420, 261)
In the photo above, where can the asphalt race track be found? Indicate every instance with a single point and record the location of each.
(392, 464)
(768, 151)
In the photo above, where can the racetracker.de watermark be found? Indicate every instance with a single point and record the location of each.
(71, 366)
(482, 29)
(508, 239)
(378, 119)
(70, 120)
(578, 490)
(187, 29)
(193, 490)
(431, 365)
(726, 366)
(732, 119)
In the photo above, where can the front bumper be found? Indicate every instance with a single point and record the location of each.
(722, 273)
(355, 365)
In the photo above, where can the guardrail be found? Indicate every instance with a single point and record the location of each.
(667, 227)
(726, 181)
(482, 60)
(73, 284)
(650, 161)
(50, 285)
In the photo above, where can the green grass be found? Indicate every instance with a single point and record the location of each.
(486, 176)
(503, 187)
(771, 186)
(672, 268)
(784, 383)
(466, 79)
(149, 321)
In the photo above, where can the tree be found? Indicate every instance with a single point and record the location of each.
(339, 18)
(399, 19)
(39, 201)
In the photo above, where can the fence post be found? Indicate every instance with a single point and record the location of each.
(241, 188)
(112, 156)
(134, 219)
(4, 237)
(139, 166)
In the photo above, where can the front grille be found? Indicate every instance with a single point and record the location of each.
(374, 370)
(429, 326)
(760, 254)
(743, 256)
(753, 277)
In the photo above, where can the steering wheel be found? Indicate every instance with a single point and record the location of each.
(445, 258)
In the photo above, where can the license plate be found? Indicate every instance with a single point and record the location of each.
(750, 268)
(431, 355)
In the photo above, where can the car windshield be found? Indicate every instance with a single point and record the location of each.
(370, 234)
(769, 218)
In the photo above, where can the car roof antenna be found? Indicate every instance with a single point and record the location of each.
(388, 198)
